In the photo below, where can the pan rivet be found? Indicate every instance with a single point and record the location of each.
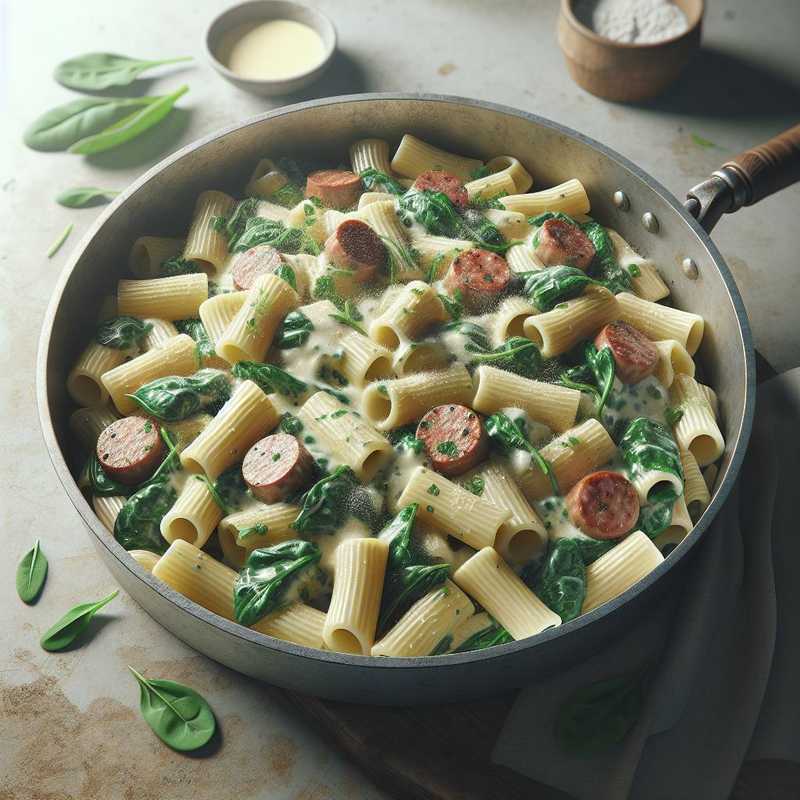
(621, 200)
(650, 221)
(690, 269)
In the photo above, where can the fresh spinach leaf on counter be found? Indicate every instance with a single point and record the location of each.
(293, 331)
(376, 181)
(493, 634)
(262, 584)
(178, 265)
(546, 288)
(270, 378)
(85, 196)
(92, 72)
(31, 574)
(72, 624)
(175, 397)
(647, 446)
(138, 524)
(178, 715)
(410, 575)
(196, 329)
(561, 582)
(594, 376)
(324, 505)
(600, 715)
(506, 433)
(122, 333)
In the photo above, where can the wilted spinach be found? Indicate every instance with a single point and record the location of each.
(493, 634)
(236, 223)
(561, 582)
(270, 378)
(647, 446)
(410, 574)
(175, 397)
(262, 584)
(405, 439)
(293, 331)
(517, 354)
(138, 525)
(258, 230)
(231, 488)
(604, 264)
(507, 434)
(323, 506)
(196, 329)
(100, 483)
(546, 288)
(594, 376)
(376, 181)
(178, 265)
(656, 516)
(350, 316)
(122, 333)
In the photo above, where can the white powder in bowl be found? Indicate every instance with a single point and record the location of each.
(632, 21)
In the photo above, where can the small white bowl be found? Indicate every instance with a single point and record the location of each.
(262, 11)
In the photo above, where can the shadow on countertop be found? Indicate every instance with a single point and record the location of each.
(717, 83)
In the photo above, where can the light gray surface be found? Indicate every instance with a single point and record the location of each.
(69, 722)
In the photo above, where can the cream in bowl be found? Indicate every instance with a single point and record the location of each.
(270, 47)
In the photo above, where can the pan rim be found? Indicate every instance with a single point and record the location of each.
(740, 434)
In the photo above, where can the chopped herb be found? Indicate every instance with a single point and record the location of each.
(475, 485)
(433, 489)
(449, 449)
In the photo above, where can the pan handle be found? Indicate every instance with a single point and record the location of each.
(749, 177)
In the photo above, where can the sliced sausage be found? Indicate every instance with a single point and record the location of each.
(276, 467)
(604, 505)
(253, 263)
(559, 243)
(435, 180)
(480, 276)
(454, 438)
(130, 449)
(635, 355)
(337, 188)
(354, 245)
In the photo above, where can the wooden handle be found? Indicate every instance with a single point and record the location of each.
(769, 167)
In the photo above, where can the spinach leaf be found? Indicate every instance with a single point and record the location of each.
(31, 574)
(546, 288)
(517, 354)
(270, 378)
(350, 316)
(477, 228)
(605, 264)
(506, 433)
(490, 636)
(170, 463)
(290, 424)
(262, 584)
(122, 333)
(63, 126)
(196, 329)
(92, 72)
(410, 574)
(647, 446)
(442, 646)
(293, 331)
(235, 224)
(540, 219)
(376, 181)
(178, 715)
(561, 583)
(656, 516)
(405, 439)
(175, 398)
(100, 483)
(600, 715)
(258, 230)
(325, 289)
(72, 624)
(231, 488)
(85, 196)
(592, 549)
(128, 127)
(138, 525)
(399, 257)
(323, 506)
(477, 340)
(454, 305)
(286, 273)
(594, 376)
(178, 265)
(289, 195)
(59, 242)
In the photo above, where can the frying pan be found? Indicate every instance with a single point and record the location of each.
(622, 197)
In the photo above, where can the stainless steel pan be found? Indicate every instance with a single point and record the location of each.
(622, 196)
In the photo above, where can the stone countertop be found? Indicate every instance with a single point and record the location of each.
(70, 722)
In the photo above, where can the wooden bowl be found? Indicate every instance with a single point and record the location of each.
(621, 71)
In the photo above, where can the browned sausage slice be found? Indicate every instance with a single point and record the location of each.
(604, 505)
(277, 466)
(454, 438)
(354, 245)
(635, 355)
(560, 243)
(480, 276)
(337, 188)
(435, 180)
(130, 449)
(251, 264)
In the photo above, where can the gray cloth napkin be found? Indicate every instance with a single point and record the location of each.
(726, 686)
